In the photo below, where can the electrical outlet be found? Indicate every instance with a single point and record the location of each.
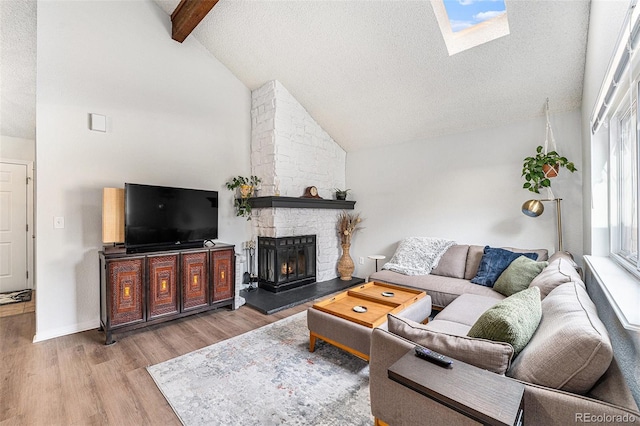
(361, 260)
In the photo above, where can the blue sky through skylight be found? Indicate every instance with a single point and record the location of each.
(467, 13)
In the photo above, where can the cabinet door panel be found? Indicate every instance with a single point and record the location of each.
(163, 289)
(125, 281)
(223, 275)
(195, 280)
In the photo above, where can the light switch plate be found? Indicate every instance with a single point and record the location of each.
(98, 122)
(58, 222)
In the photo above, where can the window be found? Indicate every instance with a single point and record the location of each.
(623, 178)
(614, 226)
(465, 24)
(465, 14)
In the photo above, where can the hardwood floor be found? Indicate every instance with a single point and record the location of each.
(19, 308)
(77, 380)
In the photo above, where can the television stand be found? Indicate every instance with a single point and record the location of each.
(141, 289)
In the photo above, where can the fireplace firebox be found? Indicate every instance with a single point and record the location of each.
(287, 262)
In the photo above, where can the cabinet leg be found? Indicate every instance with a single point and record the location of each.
(108, 340)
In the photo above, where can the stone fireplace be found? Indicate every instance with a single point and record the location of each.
(286, 263)
(289, 152)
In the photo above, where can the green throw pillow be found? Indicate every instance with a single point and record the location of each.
(518, 275)
(513, 321)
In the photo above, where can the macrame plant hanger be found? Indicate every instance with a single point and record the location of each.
(548, 136)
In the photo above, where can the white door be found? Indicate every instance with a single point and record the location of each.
(13, 227)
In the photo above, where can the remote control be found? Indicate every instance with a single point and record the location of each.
(434, 357)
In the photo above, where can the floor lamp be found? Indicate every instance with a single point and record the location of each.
(534, 208)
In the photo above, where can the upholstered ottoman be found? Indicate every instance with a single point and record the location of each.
(353, 337)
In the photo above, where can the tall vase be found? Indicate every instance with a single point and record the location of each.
(345, 264)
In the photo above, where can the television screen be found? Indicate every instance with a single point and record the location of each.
(161, 216)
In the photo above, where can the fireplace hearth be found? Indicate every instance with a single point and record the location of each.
(287, 262)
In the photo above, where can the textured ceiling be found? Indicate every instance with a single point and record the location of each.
(370, 72)
(377, 72)
(18, 68)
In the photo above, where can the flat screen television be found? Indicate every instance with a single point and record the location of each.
(160, 217)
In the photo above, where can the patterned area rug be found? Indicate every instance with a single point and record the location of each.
(267, 377)
(15, 297)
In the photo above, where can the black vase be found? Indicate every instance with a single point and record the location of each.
(341, 196)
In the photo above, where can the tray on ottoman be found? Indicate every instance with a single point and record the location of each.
(347, 319)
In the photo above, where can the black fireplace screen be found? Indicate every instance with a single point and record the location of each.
(286, 262)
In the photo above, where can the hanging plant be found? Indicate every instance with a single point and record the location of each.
(245, 186)
(539, 170)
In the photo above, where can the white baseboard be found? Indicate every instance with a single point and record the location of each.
(64, 331)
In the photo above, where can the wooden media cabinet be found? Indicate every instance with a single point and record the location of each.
(138, 290)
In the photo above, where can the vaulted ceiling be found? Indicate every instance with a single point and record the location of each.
(371, 73)
(378, 72)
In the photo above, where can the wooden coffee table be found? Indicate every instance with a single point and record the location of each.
(344, 323)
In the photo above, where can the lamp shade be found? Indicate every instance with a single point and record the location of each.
(113, 215)
(533, 208)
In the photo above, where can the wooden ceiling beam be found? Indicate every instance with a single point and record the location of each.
(187, 16)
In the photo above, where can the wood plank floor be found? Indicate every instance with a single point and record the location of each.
(19, 308)
(77, 380)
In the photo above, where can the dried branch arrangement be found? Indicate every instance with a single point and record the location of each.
(348, 224)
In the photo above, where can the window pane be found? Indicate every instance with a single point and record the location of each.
(628, 187)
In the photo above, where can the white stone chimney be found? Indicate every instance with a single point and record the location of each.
(290, 152)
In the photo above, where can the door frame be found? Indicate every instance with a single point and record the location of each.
(31, 235)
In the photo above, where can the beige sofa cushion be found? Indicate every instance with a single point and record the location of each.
(443, 290)
(571, 348)
(482, 353)
(543, 254)
(559, 271)
(466, 309)
(453, 262)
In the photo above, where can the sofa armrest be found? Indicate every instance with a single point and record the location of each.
(544, 406)
(396, 404)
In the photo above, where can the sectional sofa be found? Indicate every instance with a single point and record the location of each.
(567, 366)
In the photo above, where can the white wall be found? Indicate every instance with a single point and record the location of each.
(466, 187)
(176, 117)
(17, 148)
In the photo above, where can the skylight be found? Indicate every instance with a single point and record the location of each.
(469, 23)
(465, 14)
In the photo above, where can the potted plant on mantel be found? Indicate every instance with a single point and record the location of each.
(539, 170)
(245, 187)
(341, 194)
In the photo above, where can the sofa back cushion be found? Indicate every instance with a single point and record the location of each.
(571, 349)
(453, 262)
(492, 356)
(559, 271)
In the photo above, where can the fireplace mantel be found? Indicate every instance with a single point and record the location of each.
(300, 203)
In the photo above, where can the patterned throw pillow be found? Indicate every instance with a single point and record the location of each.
(494, 261)
(518, 275)
(513, 320)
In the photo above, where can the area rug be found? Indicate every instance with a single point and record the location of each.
(267, 377)
(15, 297)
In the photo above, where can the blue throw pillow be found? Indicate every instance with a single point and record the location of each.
(494, 262)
